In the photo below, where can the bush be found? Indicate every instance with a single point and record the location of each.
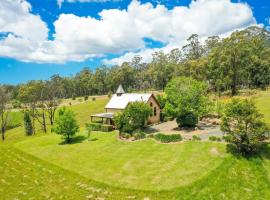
(94, 126)
(246, 126)
(109, 94)
(196, 138)
(28, 124)
(73, 98)
(133, 118)
(106, 128)
(187, 119)
(139, 135)
(94, 99)
(16, 103)
(85, 98)
(126, 135)
(214, 138)
(227, 138)
(151, 135)
(168, 138)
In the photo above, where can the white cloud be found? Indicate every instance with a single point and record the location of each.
(117, 31)
(60, 2)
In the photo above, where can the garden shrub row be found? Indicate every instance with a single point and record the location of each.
(168, 138)
(214, 138)
(99, 127)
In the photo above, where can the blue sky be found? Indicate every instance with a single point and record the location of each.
(41, 38)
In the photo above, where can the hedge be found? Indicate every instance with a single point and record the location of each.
(168, 138)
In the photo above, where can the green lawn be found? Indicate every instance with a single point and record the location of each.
(263, 103)
(138, 165)
(40, 167)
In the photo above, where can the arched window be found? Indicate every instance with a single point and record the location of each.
(155, 111)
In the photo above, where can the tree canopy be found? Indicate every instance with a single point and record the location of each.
(245, 125)
(187, 100)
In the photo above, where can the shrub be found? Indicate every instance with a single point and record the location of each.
(94, 99)
(28, 124)
(139, 135)
(151, 135)
(106, 128)
(214, 138)
(227, 138)
(109, 94)
(243, 122)
(85, 98)
(94, 126)
(126, 135)
(73, 98)
(187, 119)
(196, 138)
(16, 103)
(168, 138)
(133, 118)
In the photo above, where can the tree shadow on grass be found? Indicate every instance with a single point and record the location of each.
(92, 139)
(263, 152)
(74, 140)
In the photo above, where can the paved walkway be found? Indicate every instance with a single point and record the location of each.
(171, 127)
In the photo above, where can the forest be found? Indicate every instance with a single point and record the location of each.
(228, 64)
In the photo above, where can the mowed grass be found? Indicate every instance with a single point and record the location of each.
(40, 167)
(144, 165)
(263, 104)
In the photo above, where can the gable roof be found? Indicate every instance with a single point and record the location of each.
(121, 102)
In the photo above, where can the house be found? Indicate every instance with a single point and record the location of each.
(120, 101)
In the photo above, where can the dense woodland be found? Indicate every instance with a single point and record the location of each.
(239, 61)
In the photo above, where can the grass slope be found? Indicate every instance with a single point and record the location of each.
(39, 167)
(144, 165)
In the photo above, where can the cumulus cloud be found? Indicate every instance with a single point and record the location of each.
(60, 2)
(116, 31)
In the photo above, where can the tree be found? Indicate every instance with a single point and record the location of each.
(187, 100)
(28, 123)
(4, 110)
(134, 117)
(51, 102)
(245, 124)
(33, 96)
(65, 124)
(193, 50)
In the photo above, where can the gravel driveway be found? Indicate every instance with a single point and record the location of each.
(171, 127)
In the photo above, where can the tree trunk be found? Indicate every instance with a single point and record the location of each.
(3, 133)
(44, 121)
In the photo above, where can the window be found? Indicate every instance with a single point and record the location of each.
(155, 111)
(151, 104)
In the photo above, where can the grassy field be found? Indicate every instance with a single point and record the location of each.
(40, 167)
